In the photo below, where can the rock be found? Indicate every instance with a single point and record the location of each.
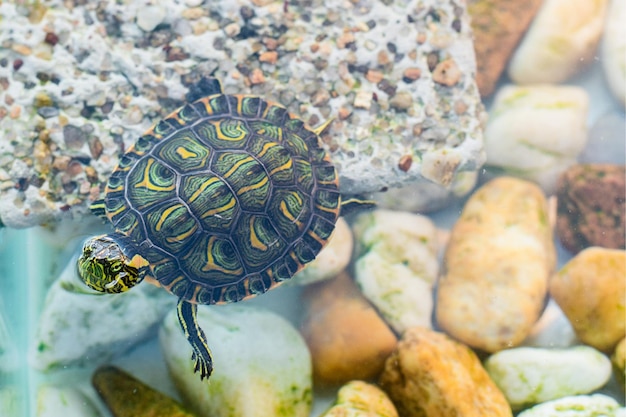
(591, 207)
(430, 374)
(498, 26)
(397, 266)
(333, 259)
(561, 40)
(360, 399)
(542, 149)
(262, 367)
(126, 396)
(71, 331)
(150, 16)
(346, 336)
(528, 376)
(497, 264)
(613, 46)
(591, 291)
(619, 361)
(67, 402)
(577, 406)
(552, 330)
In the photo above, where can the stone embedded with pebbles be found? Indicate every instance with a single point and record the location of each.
(591, 291)
(528, 376)
(430, 374)
(262, 367)
(497, 264)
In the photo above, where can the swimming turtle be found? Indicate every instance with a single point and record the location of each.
(224, 199)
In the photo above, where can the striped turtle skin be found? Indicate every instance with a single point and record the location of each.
(222, 200)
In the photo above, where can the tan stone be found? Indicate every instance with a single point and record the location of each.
(497, 27)
(591, 291)
(498, 262)
(346, 337)
(431, 375)
(360, 399)
(619, 362)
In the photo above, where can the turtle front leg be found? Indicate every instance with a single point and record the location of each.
(187, 316)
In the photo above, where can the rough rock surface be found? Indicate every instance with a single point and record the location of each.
(79, 81)
(592, 207)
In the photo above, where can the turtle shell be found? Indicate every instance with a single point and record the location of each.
(226, 197)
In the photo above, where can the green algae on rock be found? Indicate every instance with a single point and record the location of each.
(127, 396)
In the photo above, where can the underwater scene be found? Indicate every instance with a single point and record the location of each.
(308, 208)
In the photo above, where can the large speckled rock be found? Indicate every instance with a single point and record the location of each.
(539, 151)
(592, 206)
(126, 396)
(360, 399)
(262, 367)
(497, 264)
(530, 376)
(591, 291)
(397, 266)
(430, 374)
(82, 83)
(498, 26)
(67, 402)
(78, 329)
(561, 40)
(596, 405)
(346, 336)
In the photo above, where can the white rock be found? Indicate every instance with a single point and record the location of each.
(398, 266)
(537, 132)
(614, 49)
(562, 39)
(528, 375)
(85, 330)
(596, 405)
(262, 367)
(66, 402)
(150, 16)
(333, 259)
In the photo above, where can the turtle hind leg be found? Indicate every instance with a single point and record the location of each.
(187, 316)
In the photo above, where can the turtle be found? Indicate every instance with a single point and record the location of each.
(222, 200)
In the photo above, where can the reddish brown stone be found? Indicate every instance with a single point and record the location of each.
(591, 207)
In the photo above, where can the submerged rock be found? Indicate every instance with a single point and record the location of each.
(533, 375)
(126, 396)
(596, 405)
(67, 402)
(360, 399)
(262, 367)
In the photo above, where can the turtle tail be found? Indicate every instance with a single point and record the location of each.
(188, 318)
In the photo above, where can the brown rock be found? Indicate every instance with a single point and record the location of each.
(591, 207)
(126, 396)
(431, 375)
(360, 399)
(591, 291)
(498, 26)
(347, 338)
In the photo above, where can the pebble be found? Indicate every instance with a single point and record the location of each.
(528, 376)
(268, 56)
(126, 396)
(542, 150)
(347, 338)
(150, 16)
(363, 100)
(591, 291)
(592, 207)
(411, 74)
(70, 330)
(561, 41)
(447, 73)
(55, 401)
(402, 101)
(430, 374)
(262, 367)
(612, 50)
(74, 137)
(597, 405)
(332, 260)
(256, 76)
(397, 265)
(360, 399)
(497, 264)
(48, 112)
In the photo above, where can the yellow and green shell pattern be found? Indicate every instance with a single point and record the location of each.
(225, 198)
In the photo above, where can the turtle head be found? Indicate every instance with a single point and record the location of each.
(109, 265)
